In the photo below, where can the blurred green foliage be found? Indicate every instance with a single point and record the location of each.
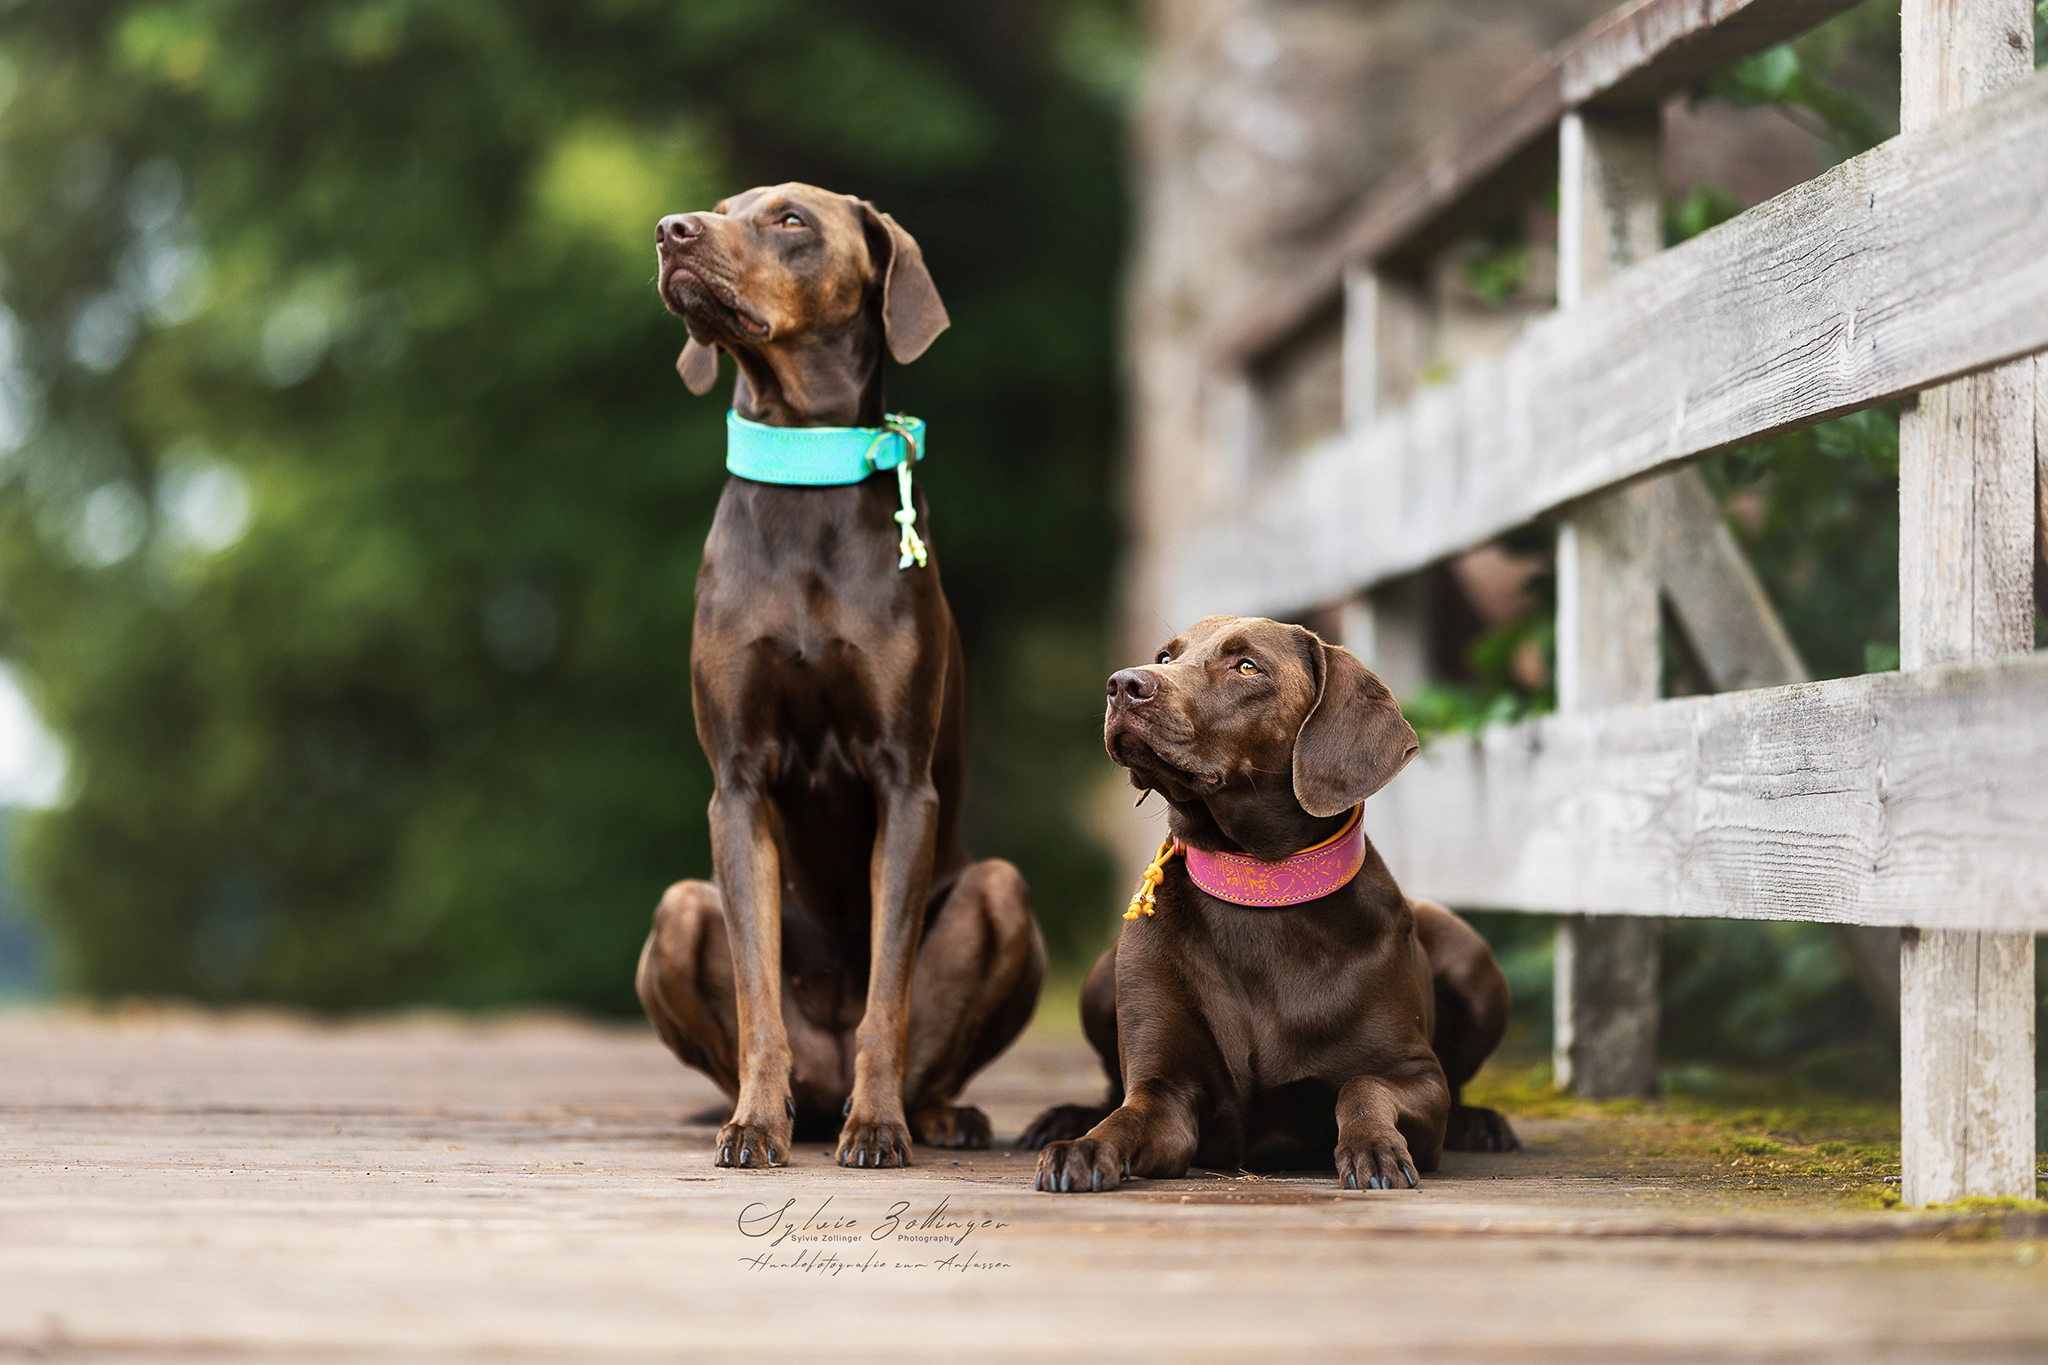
(1817, 511)
(349, 504)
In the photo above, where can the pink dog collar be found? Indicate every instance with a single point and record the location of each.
(1305, 876)
(1309, 875)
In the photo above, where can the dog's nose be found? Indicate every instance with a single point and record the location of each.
(677, 228)
(1129, 686)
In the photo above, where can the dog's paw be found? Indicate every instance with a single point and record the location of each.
(753, 1144)
(1472, 1129)
(1375, 1162)
(1062, 1123)
(873, 1141)
(1082, 1166)
(951, 1125)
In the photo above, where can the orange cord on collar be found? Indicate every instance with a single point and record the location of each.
(1145, 901)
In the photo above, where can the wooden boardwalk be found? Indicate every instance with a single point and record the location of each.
(178, 1186)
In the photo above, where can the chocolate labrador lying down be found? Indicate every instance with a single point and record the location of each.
(1310, 1011)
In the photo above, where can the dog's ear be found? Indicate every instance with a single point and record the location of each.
(1354, 739)
(912, 313)
(698, 365)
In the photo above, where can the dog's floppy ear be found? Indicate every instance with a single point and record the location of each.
(698, 365)
(912, 314)
(1354, 739)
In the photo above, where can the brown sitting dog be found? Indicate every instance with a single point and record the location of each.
(847, 959)
(1306, 1014)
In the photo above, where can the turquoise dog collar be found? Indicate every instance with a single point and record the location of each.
(819, 457)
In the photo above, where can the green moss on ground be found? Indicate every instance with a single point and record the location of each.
(1753, 1134)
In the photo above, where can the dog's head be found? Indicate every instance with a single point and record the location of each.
(1258, 724)
(779, 269)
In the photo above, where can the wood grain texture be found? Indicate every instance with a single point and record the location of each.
(1966, 1043)
(1607, 621)
(1966, 560)
(255, 1188)
(1636, 55)
(1956, 53)
(1966, 518)
(1609, 650)
(1893, 798)
(1921, 260)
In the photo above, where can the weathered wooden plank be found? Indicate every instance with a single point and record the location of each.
(1389, 629)
(1966, 518)
(1608, 646)
(1386, 338)
(1921, 260)
(1636, 55)
(2041, 460)
(247, 1187)
(1966, 561)
(1966, 1064)
(1956, 53)
(1893, 798)
(1727, 619)
(1644, 51)
(1387, 327)
(1606, 1005)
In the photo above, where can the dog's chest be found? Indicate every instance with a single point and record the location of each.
(805, 627)
(1313, 991)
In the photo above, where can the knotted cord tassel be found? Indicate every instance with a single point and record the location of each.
(910, 545)
(1146, 900)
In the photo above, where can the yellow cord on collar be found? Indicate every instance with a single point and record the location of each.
(1146, 900)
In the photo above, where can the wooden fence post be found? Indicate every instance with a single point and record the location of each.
(1966, 552)
(2041, 465)
(1386, 342)
(1608, 646)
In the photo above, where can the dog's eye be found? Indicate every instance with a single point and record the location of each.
(790, 220)
(1165, 657)
(1247, 667)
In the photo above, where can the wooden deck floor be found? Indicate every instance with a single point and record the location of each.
(177, 1186)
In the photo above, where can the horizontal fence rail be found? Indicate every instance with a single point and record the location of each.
(1896, 798)
(1637, 55)
(1920, 260)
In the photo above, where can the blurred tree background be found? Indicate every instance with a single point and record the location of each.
(349, 504)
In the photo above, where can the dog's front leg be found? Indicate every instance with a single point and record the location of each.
(750, 880)
(1389, 1127)
(1152, 1134)
(876, 1132)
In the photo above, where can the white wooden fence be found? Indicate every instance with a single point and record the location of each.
(1918, 272)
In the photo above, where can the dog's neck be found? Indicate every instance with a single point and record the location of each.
(1258, 824)
(834, 380)
(1270, 830)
